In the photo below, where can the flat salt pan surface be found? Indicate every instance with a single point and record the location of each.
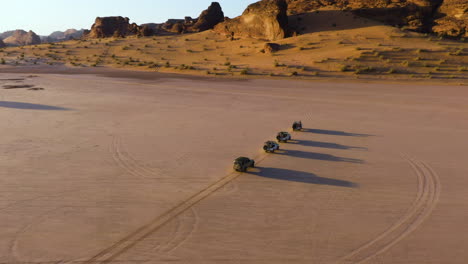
(96, 169)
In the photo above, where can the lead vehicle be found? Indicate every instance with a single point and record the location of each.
(241, 164)
(297, 126)
(283, 137)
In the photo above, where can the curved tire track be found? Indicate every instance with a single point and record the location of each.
(123, 245)
(426, 200)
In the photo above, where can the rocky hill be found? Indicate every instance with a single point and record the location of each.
(64, 35)
(209, 18)
(6, 34)
(21, 38)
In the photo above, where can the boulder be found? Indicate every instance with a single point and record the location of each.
(21, 38)
(271, 47)
(266, 19)
(209, 18)
(105, 27)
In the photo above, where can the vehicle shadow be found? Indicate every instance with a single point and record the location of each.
(317, 144)
(335, 133)
(301, 176)
(318, 156)
(19, 105)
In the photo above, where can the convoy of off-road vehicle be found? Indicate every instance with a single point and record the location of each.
(241, 164)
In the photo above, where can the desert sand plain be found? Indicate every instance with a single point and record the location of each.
(124, 167)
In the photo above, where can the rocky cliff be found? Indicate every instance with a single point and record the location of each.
(444, 17)
(266, 19)
(452, 18)
(22, 38)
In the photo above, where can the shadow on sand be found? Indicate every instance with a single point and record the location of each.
(334, 133)
(19, 105)
(300, 176)
(317, 144)
(317, 156)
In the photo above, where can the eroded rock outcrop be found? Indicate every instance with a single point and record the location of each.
(271, 47)
(105, 27)
(444, 17)
(22, 38)
(266, 19)
(452, 19)
(209, 18)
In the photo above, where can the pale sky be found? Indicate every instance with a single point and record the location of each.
(47, 16)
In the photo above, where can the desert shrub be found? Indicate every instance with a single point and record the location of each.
(344, 68)
(463, 69)
(125, 48)
(227, 63)
(391, 71)
(167, 65)
(2, 61)
(244, 72)
(364, 70)
(295, 73)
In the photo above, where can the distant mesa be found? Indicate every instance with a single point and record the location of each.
(21, 38)
(58, 36)
(266, 20)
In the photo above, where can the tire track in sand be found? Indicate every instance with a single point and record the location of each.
(126, 162)
(425, 202)
(123, 245)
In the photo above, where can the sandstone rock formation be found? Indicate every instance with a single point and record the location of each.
(105, 27)
(6, 34)
(271, 47)
(21, 38)
(413, 14)
(444, 17)
(209, 18)
(266, 19)
(452, 19)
